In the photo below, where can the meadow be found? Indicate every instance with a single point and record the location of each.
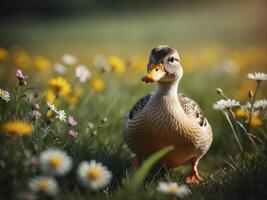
(79, 77)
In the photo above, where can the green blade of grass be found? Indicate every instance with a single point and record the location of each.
(139, 176)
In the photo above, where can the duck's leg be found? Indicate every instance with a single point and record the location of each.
(194, 176)
(136, 162)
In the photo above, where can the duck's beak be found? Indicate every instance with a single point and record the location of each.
(155, 73)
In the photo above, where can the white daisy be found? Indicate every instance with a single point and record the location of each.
(55, 162)
(51, 106)
(224, 104)
(46, 185)
(257, 76)
(82, 72)
(260, 104)
(61, 115)
(173, 188)
(60, 68)
(69, 59)
(4, 95)
(93, 175)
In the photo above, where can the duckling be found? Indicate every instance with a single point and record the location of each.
(166, 117)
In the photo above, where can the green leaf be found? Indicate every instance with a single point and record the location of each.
(138, 177)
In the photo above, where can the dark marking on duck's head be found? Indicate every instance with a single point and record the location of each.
(159, 53)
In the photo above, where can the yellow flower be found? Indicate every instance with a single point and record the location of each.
(241, 113)
(97, 84)
(3, 54)
(255, 121)
(60, 86)
(41, 63)
(22, 58)
(50, 96)
(116, 64)
(49, 114)
(20, 128)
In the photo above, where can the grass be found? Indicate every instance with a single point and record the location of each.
(228, 175)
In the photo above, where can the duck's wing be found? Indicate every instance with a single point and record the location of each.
(139, 106)
(193, 110)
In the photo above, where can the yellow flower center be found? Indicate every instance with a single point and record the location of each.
(49, 113)
(55, 162)
(172, 189)
(43, 185)
(94, 174)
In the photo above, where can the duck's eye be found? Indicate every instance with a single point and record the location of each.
(171, 59)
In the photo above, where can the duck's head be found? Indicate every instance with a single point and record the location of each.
(163, 65)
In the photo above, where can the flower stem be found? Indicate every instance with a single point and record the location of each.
(252, 104)
(17, 101)
(234, 131)
(243, 128)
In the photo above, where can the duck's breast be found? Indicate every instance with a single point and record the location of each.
(159, 126)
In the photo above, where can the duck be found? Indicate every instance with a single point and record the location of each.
(166, 117)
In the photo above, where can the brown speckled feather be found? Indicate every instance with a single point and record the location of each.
(192, 109)
(139, 106)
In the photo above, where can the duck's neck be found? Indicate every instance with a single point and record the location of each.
(167, 94)
(166, 97)
(169, 89)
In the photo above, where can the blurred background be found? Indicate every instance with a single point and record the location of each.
(127, 27)
(219, 43)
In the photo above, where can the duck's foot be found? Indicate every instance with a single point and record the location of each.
(194, 178)
(136, 162)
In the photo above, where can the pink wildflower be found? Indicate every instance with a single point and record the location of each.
(72, 121)
(22, 78)
(73, 134)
